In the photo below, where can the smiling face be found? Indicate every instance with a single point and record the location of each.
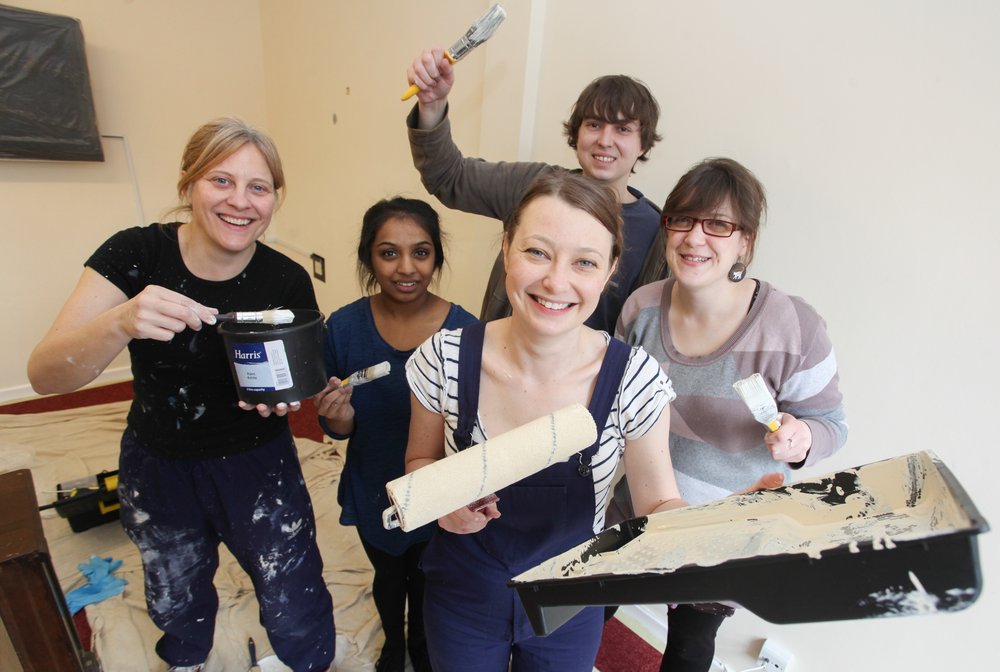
(403, 260)
(232, 203)
(558, 262)
(608, 151)
(698, 260)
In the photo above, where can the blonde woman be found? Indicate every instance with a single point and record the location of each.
(197, 467)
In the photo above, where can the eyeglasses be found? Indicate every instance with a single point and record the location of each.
(719, 228)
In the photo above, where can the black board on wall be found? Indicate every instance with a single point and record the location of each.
(46, 105)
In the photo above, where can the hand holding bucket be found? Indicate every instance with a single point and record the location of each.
(276, 363)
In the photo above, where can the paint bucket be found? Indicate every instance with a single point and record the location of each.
(275, 363)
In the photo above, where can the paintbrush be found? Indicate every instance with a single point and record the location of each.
(478, 32)
(276, 316)
(754, 393)
(367, 375)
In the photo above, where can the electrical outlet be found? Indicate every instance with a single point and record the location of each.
(774, 657)
(319, 267)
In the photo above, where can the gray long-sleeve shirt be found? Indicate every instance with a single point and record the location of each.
(494, 189)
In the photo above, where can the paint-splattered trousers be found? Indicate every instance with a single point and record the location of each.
(256, 503)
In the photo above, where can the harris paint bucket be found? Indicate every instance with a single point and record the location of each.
(277, 363)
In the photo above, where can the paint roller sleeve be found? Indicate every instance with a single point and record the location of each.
(450, 483)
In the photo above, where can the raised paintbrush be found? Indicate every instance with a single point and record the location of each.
(754, 393)
(367, 375)
(478, 32)
(276, 316)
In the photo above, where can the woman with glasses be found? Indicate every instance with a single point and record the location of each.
(709, 325)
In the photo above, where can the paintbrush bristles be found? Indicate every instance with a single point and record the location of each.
(363, 376)
(754, 393)
(276, 316)
(479, 32)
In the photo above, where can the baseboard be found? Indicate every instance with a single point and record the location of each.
(25, 393)
(649, 621)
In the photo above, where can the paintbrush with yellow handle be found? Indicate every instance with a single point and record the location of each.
(478, 32)
(754, 393)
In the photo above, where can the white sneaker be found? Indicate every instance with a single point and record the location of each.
(186, 668)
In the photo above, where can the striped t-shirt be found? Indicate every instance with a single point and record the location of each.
(432, 372)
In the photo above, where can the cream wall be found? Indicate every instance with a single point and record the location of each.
(326, 61)
(873, 125)
(158, 70)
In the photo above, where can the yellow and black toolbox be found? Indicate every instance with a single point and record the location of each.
(88, 502)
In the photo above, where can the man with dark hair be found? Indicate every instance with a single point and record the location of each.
(612, 127)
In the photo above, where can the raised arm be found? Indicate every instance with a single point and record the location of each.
(96, 323)
(469, 184)
(434, 75)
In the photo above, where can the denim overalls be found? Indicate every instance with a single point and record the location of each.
(474, 621)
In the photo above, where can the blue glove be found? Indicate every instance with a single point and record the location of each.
(101, 583)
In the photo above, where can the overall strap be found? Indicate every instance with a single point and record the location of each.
(470, 357)
(608, 381)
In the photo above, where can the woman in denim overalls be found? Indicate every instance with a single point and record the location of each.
(483, 380)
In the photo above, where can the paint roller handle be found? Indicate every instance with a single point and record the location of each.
(390, 518)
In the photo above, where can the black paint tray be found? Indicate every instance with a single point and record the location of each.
(894, 537)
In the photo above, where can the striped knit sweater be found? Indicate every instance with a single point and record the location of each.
(715, 444)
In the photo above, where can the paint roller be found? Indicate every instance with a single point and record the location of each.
(452, 482)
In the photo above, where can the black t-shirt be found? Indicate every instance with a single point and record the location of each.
(185, 398)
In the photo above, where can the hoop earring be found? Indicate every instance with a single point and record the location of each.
(737, 271)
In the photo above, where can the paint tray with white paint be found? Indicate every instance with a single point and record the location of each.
(895, 537)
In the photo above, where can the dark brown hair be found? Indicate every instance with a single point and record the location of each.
(707, 184)
(611, 99)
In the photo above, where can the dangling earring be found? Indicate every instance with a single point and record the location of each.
(737, 271)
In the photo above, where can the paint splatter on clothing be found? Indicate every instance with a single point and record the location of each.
(256, 503)
(185, 398)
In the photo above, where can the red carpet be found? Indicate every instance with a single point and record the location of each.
(104, 394)
(303, 422)
(624, 651)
